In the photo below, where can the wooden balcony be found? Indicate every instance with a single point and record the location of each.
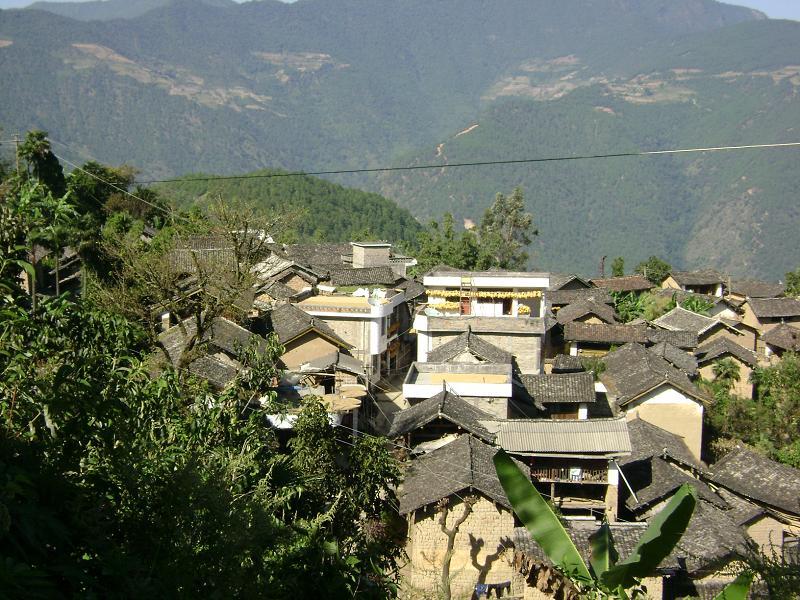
(569, 475)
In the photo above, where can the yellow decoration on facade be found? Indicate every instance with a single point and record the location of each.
(483, 294)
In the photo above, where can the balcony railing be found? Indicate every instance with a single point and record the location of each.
(570, 475)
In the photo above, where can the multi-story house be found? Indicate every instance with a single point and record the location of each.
(504, 308)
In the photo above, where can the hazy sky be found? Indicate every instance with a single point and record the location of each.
(777, 9)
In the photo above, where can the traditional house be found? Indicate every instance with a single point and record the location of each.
(468, 347)
(561, 395)
(487, 386)
(217, 349)
(586, 311)
(572, 462)
(597, 339)
(780, 339)
(723, 348)
(626, 284)
(742, 289)
(765, 314)
(454, 492)
(505, 308)
(677, 358)
(773, 487)
(706, 328)
(697, 282)
(324, 257)
(437, 421)
(646, 386)
(370, 319)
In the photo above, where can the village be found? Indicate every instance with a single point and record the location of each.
(606, 417)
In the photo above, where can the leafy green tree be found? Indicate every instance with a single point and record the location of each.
(439, 243)
(726, 372)
(793, 283)
(42, 165)
(618, 267)
(506, 230)
(654, 269)
(698, 305)
(628, 305)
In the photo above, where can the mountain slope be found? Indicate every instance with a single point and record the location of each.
(734, 210)
(106, 10)
(323, 210)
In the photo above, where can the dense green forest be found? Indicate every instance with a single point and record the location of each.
(123, 478)
(318, 209)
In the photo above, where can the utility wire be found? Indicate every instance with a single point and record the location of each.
(477, 163)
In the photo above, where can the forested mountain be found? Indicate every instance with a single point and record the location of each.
(318, 209)
(105, 10)
(321, 84)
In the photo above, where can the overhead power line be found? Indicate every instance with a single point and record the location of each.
(476, 163)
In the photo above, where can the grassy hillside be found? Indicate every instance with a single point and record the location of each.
(327, 211)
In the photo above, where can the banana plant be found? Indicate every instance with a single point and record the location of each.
(607, 577)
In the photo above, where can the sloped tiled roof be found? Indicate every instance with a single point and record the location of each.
(606, 437)
(559, 280)
(759, 478)
(783, 336)
(655, 479)
(445, 405)
(689, 278)
(222, 333)
(317, 254)
(680, 319)
(722, 346)
(563, 363)
(363, 276)
(215, 370)
(560, 387)
(582, 308)
(469, 342)
(756, 289)
(680, 339)
(562, 297)
(278, 291)
(412, 288)
(629, 283)
(633, 370)
(605, 333)
(775, 308)
(464, 464)
(680, 359)
(649, 440)
(288, 322)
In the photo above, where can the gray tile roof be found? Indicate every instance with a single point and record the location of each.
(625, 536)
(784, 337)
(775, 308)
(680, 319)
(720, 347)
(655, 479)
(317, 254)
(756, 289)
(681, 339)
(629, 283)
(412, 288)
(559, 280)
(563, 363)
(207, 252)
(464, 465)
(605, 333)
(690, 278)
(756, 477)
(560, 388)
(605, 437)
(563, 297)
(278, 291)
(677, 357)
(741, 510)
(363, 276)
(288, 322)
(444, 405)
(469, 342)
(215, 370)
(583, 308)
(221, 333)
(633, 370)
(649, 440)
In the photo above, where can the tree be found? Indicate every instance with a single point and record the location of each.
(506, 230)
(618, 267)
(628, 305)
(443, 507)
(42, 165)
(696, 304)
(793, 283)
(605, 577)
(439, 243)
(726, 373)
(654, 269)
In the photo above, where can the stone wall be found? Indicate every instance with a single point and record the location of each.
(483, 552)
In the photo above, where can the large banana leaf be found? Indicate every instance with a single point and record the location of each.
(737, 589)
(656, 543)
(539, 519)
(604, 555)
